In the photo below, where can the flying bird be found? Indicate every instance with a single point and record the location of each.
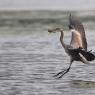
(77, 49)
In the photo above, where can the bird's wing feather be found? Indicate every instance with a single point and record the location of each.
(77, 25)
(83, 59)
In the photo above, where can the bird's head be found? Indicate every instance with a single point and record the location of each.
(54, 30)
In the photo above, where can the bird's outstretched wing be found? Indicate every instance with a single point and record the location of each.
(78, 26)
(76, 39)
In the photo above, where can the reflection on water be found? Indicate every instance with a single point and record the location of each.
(29, 59)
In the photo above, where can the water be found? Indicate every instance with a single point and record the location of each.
(29, 56)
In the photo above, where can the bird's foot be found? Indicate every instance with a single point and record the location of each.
(60, 74)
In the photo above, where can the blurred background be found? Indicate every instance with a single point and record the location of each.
(47, 4)
(45, 13)
(29, 56)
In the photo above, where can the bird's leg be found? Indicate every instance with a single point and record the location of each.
(60, 74)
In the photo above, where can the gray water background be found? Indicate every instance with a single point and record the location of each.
(29, 56)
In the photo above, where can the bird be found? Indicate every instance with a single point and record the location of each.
(77, 49)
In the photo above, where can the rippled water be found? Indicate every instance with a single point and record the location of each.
(29, 57)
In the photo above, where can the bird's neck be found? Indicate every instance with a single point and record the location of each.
(61, 39)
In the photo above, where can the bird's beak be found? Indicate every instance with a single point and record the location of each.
(49, 30)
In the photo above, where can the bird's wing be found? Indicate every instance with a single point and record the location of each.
(87, 54)
(83, 59)
(76, 40)
(78, 26)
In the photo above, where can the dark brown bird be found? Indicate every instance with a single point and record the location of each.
(77, 50)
